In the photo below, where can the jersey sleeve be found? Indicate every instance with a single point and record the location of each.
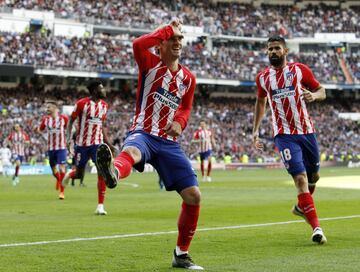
(260, 91)
(42, 124)
(77, 109)
(26, 137)
(183, 112)
(141, 45)
(66, 120)
(308, 79)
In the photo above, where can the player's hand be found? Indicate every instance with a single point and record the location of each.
(174, 129)
(307, 96)
(176, 26)
(257, 143)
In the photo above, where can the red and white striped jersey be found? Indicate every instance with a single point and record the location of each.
(204, 137)
(162, 96)
(91, 116)
(18, 140)
(282, 87)
(56, 131)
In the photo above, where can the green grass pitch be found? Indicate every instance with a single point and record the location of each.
(31, 212)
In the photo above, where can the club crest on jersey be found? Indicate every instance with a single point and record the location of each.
(166, 98)
(182, 87)
(289, 78)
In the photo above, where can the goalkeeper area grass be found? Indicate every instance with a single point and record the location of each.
(245, 224)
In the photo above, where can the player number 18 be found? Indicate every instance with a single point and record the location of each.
(285, 154)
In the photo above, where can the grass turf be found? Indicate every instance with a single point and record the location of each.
(31, 212)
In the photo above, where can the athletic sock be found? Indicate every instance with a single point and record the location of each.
(61, 177)
(101, 190)
(209, 168)
(72, 174)
(187, 224)
(123, 163)
(202, 168)
(306, 203)
(58, 180)
(17, 167)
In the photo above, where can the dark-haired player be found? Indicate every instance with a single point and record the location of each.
(91, 112)
(18, 138)
(55, 125)
(206, 140)
(288, 87)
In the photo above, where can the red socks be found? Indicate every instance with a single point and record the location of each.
(187, 225)
(17, 167)
(306, 203)
(61, 177)
(101, 190)
(209, 168)
(123, 164)
(72, 174)
(202, 168)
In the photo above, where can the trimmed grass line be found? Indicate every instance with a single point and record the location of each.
(170, 232)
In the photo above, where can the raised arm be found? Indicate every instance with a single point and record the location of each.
(142, 44)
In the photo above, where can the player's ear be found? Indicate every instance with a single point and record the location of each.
(286, 50)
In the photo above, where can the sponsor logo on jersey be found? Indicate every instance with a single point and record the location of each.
(283, 93)
(95, 120)
(166, 98)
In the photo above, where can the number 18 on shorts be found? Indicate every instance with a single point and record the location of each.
(299, 153)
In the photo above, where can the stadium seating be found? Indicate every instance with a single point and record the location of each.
(104, 53)
(229, 18)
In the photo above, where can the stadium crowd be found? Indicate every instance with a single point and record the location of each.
(231, 123)
(104, 53)
(354, 62)
(230, 18)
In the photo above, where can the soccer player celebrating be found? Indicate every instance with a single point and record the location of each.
(206, 140)
(55, 125)
(91, 112)
(164, 101)
(17, 139)
(288, 87)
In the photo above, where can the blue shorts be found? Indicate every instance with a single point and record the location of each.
(57, 157)
(83, 154)
(166, 157)
(299, 153)
(17, 157)
(205, 155)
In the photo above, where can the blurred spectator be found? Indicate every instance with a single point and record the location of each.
(231, 123)
(231, 18)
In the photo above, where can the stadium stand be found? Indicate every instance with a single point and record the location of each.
(210, 55)
(232, 124)
(231, 18)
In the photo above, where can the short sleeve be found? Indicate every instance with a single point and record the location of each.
(308, 79)
(260, 91)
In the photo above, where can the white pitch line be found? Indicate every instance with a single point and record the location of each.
(169, 232)
(135, 185)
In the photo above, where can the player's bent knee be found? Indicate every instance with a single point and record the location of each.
(191, 195)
